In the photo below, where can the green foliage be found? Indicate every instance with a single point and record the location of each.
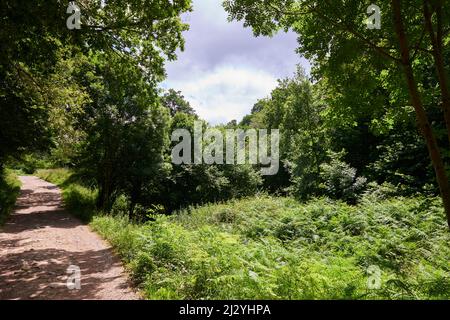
(29, 163)
(192, 184)
(92, 92)
(340, 180)
(278, 248)
(175, 102)
(78, 198)
(9, 190)
(311, 128)
(402, 160)
(380, 192)
(375, 79)
(80, 201)
(120, 206)
(126, 130)
(35, 62)
(295, 109)
(92, 99)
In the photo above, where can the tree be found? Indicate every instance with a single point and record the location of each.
(32, 35)
(294, 108)
(188, 184)
(126, 129)
(175, 102)
(333, 33)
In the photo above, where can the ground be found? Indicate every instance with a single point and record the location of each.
(41, 240)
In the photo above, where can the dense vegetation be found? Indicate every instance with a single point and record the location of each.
(364, 148)
(277, 248)
(398, 68)
(9, 190)
(79, 198)
(267, 247)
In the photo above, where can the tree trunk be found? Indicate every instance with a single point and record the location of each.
(104, 195)
(105, 184)
(135, 195)
(422, 117)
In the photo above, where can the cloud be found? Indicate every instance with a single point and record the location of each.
(227, 92)
(224, 69)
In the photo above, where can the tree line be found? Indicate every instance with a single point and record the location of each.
(371, 116)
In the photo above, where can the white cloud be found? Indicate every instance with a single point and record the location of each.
(224, 69)
(216, 14)
(225, 93)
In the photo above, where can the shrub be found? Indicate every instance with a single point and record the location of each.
(120, 206)
(78, 198)
(277, 248)
(80, 201)
(9, 190)
(29, 163)
(382, 191)
(225, 215)
(142, 266)
(340, 180)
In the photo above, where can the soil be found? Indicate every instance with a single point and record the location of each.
(40, 241)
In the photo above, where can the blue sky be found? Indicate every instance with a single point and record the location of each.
(224, 69)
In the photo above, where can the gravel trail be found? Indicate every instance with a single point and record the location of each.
(41, 240)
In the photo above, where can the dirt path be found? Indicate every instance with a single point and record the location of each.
(40, 241)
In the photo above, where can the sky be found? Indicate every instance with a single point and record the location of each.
(224, 70)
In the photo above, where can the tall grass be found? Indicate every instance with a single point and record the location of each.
(278, 248)
(9, 190)
(78, 198)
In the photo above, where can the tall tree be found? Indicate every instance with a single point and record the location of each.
(32, 33)
(334, 33)
(175, 102)
(126, 128)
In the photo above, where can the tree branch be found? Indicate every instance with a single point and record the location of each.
(382, 51)
(417, 45)
(291, 13)
(372, 45)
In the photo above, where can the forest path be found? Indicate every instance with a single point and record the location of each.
(41, 240)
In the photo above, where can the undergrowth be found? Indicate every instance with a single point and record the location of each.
(277, 248)
(9, 190)
(78, 197)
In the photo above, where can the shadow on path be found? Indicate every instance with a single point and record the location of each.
(41, 240)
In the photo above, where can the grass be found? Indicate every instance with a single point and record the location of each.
(78, 198)
(278, 248)
(9, 190)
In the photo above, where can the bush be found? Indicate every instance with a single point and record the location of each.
(60, 177)
(277, 248)
(376, 191)
(142, 266)
(9, 190)
(78, 198)
(120, 206)
(200, 184)
(80, 201)
(340, 180)
(226, 216)
(29, 163)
